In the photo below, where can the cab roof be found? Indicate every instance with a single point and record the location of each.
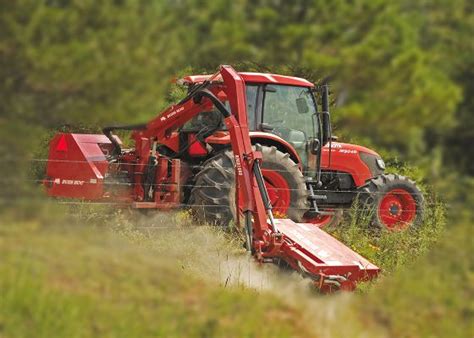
(252, 78)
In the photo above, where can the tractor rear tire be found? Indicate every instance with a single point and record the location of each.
(394, 201)
(212, 198)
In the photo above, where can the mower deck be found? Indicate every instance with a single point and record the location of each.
(325, 254)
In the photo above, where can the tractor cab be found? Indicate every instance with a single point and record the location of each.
(286, 111)
(281, 105)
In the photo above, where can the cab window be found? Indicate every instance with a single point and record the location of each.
(289, 107)
(251, 97)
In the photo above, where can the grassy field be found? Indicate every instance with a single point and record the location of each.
(431, 296)
(70, 282)
(82, 271)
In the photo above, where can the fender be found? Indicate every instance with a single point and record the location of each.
(267, 139)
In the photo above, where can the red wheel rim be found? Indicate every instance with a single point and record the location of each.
(397, 209)
(278, 191)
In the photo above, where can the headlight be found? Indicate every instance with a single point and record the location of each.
(380, 164)
(375, 164)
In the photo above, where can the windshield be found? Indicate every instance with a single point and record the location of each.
(289, 107)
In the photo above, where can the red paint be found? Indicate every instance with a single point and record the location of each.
(278, 191)
(62, 144)
(321, 254)
(254, 78)
(345, 158)
(171, 141)
(320, 220)
(269, 139)
(79, 172)
(196, 148)
(397, 209)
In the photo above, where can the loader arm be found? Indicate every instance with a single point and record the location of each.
(204, 99)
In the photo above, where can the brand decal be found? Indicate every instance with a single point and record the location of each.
(348, 151)
(173, 113)
(68, 182)
(238, 165)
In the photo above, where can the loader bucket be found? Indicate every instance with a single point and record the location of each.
(320, 254)
(77, 165)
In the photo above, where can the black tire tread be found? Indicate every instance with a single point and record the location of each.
(211, 197)
(370, 194)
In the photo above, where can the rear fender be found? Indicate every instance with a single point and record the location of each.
(262, 138)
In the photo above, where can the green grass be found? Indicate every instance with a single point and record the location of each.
(391, 250)
(70, 282)
(86, 271)
(433, 296)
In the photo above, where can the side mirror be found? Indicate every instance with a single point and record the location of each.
(302, 105)
(315, 146)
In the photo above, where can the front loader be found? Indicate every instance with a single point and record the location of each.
(155, 173)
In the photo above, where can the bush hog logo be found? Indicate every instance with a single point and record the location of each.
(68, 182)
(173, 113)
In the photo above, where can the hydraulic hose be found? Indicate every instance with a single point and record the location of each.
(108, 133)
(217, 103)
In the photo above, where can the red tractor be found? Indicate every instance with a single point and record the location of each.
(303, 183)
(309, 177)
(201, 153)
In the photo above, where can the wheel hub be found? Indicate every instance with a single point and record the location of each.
(397, 209)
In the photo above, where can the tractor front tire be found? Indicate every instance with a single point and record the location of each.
(394, 202)
(212, 198)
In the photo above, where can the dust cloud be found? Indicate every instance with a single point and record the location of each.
(213, 255)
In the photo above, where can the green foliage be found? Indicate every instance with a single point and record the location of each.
(400, 69)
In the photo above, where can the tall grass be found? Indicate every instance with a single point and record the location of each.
(391, 250)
